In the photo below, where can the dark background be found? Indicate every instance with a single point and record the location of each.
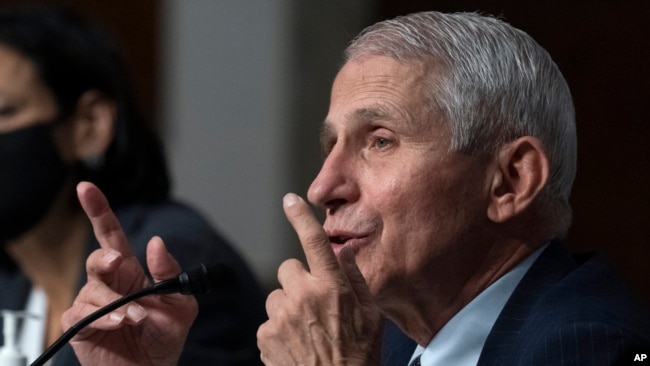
(603, 50)
(134, 26)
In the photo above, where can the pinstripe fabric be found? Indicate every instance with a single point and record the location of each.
(568, 312)
(397, 348)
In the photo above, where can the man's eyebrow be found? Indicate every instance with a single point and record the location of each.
(357, 117)
(370, 114)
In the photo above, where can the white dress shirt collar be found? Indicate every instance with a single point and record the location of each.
(461, 340)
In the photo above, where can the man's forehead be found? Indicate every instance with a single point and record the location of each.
(357, 117)
(378, 68)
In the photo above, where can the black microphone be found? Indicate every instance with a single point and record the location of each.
(196, 280)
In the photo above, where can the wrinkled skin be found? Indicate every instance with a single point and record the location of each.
(323, 315)
(151, 331)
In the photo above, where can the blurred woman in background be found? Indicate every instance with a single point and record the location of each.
(67, 115)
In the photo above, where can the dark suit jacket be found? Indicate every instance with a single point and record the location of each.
(567, 310)
(397, 348)
(224, 332)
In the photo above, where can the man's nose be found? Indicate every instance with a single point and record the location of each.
(335, 184)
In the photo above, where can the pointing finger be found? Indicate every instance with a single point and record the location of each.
(107, 228)
(314, 241)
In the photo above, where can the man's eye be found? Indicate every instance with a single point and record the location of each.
(381, 142)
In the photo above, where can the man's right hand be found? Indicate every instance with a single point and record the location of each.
(149, 332)
(324, 314)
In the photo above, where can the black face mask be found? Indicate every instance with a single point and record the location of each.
(31, 175)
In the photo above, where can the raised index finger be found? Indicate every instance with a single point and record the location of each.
(314, 241)
(106, 227)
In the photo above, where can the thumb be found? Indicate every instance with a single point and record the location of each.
(354, 275)
(160, 262)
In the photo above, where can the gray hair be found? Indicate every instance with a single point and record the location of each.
(497, 85)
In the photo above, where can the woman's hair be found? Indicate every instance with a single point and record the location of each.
(72, 57)
(496, 85)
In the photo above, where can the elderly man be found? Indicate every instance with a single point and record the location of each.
(451, 152)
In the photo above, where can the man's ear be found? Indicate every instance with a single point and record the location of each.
(93, 125)
(520, 173)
